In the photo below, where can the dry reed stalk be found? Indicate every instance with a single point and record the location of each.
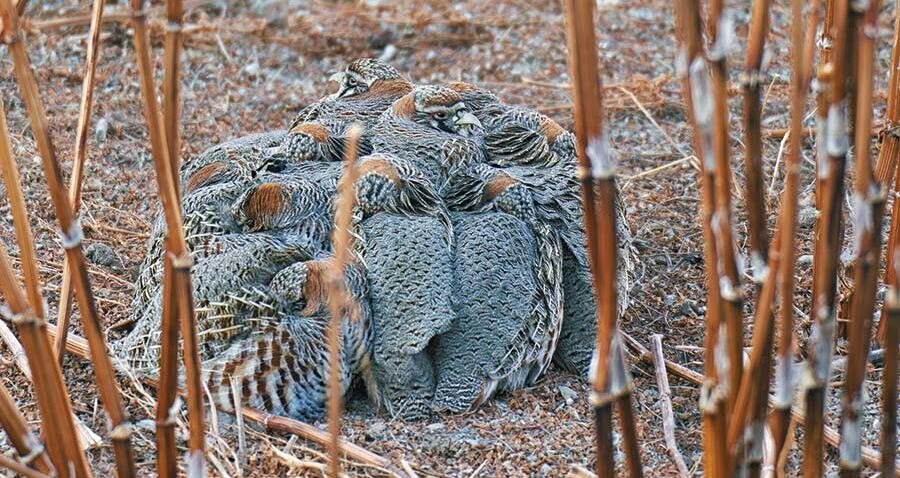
(28, 446)
(754, 192)
(712, 398)
(826, 43)
(88, 439)
(831, 166)
(49, 388)
(889, 383)
(611, 383)
(747, 421)
(77, 346)
(114, 15)
(174, 44)
(728, 274)
(181, 308)
(166, 445)
(803, 48)
(120, 433)
(64, 312)
(867, 218)
(885, 167)
(339, 300)
(871, 457)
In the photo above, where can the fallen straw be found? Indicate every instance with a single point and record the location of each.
(665, 404)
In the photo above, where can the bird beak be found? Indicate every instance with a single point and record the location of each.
(468, 120)
(339, 79)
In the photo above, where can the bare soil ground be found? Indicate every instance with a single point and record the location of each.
(250, 65)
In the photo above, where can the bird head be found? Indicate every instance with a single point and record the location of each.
(439, 108)
(362, 75)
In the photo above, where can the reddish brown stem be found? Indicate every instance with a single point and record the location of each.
(610, 382)
(868, 216)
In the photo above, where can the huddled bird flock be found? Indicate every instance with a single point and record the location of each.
(470, 270)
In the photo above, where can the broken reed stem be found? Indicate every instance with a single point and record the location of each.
(868, 214)
(19, 468)
(803, 53)
(665, 401)
(52, 398)
(889, 383)
(754, 194)
(181, 297)
(689, 29)
(871, 457)
(339, 301)
(64, 313)
(71, 238)
(728, 274)
(597, 173)
(28, 446)
(886, 166)
(830, 178)
(174, 44)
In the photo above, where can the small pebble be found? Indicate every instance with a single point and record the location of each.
(435, 426)
(102, 255)
(101, 130)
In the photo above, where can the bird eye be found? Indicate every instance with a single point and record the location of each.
(351, 81)
(441, 115)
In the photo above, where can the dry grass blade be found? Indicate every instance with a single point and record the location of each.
(611, 383)
(180, 292)
(867, 219)
(64, 312)
(71, 238)
(339, 300)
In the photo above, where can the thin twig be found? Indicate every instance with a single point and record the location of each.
(665, 403)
